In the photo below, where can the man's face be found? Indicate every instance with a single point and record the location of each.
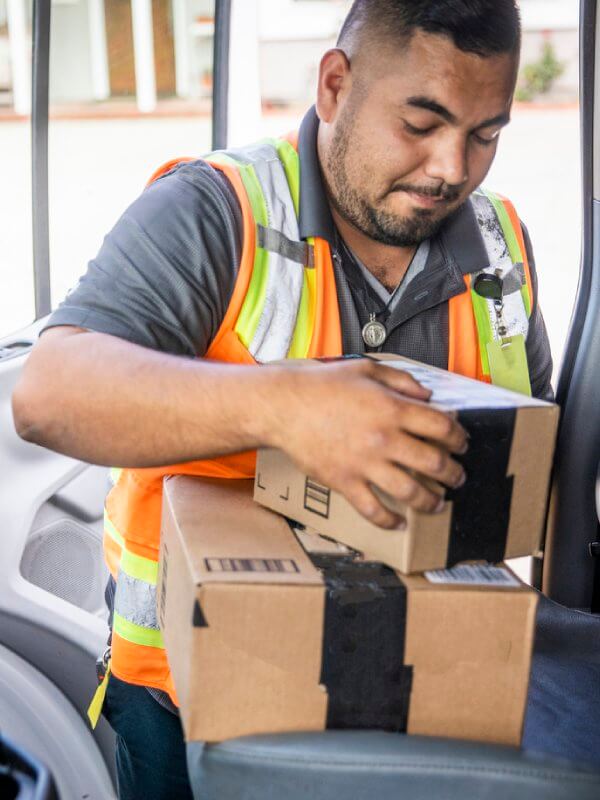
(413, 131)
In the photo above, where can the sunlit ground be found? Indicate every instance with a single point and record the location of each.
(98, 166)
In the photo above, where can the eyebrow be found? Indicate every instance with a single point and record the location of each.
(431, 105)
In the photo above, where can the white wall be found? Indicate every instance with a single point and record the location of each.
(549, 14)
(70, 67)
(288, 20)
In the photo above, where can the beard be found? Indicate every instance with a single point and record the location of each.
(377, 223)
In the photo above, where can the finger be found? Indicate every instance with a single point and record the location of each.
(368, 505)
(426, 458)
(404, 487)
(400, 381)
(430, 423)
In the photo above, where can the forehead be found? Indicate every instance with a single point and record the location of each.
(430, 65)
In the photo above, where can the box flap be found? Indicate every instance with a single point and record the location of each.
(228, 538)
(452, 391)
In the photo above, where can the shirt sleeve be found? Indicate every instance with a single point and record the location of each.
(165, 273)
(539, 355)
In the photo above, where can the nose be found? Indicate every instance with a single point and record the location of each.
(448, 160)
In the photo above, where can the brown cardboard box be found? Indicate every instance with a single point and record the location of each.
(498, 514)
(260, 640)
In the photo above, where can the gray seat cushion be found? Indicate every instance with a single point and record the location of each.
(372, 765)
(563, 710)
(563, 719)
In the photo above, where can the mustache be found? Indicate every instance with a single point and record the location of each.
(442, 192)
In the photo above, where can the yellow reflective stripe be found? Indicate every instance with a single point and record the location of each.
(254, 302)
(143, 569)
(138, 567)
(526, 298)
(253, 305)
(514, 249)
(115, 474)
(302, 332)
(149, 637)
(110, 530)
(485, 332)
(291, 164)
(311, 287)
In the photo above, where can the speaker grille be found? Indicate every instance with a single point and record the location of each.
(65, 558)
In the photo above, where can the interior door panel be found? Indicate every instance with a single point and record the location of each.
(51, 569)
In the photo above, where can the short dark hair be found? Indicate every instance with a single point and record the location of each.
(483, 27)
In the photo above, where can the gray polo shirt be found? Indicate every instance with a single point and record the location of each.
(165, 273)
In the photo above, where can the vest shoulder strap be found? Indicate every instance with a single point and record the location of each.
(473, 321)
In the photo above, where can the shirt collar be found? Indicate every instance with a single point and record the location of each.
(460, 236)
(315, 215)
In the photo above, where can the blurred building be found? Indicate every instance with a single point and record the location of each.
(150, 49)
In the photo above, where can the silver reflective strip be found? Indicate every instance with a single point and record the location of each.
(135, 600)
(276, 242)
(275, 330)
(515, 279)
(493, 236)
(514, 312)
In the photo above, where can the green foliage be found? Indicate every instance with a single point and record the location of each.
(537, 78)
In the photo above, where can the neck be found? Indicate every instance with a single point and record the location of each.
(387, 263)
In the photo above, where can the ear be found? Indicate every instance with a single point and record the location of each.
(335, 80)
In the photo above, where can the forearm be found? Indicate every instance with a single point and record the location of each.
(103, 400)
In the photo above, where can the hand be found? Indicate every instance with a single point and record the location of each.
(361, 424)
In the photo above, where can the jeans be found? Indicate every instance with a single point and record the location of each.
(151, 761)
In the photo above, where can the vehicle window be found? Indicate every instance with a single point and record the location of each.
(130, 88)
(17, 307)
(538, 161)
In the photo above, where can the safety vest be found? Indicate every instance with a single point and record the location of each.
(284, 305)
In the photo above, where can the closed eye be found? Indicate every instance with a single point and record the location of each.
(414, 131)
(486, 140)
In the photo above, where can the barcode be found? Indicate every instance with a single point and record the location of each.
(316, 498)
(251, 565)
(474, 574)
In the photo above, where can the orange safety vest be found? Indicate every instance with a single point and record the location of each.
(133, 506)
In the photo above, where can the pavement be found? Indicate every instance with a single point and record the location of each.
(99, 165)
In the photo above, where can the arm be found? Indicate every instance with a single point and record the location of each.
(107, 401)
(115, 378)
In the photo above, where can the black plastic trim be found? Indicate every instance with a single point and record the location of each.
(48, 652)
(221, 74)
(39, 155)
(21, 771)
(568, 568)
(587, 62)
(14, 349)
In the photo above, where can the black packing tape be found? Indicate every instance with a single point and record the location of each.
(481, 508)
(364, 632)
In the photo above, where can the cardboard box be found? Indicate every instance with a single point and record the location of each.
(263, 635)
(498, 514)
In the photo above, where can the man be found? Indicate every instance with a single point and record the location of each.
(366, 239)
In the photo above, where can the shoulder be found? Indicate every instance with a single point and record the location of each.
(192, 185)
(190, 211)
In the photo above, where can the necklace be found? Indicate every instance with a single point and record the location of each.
(374, 333)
